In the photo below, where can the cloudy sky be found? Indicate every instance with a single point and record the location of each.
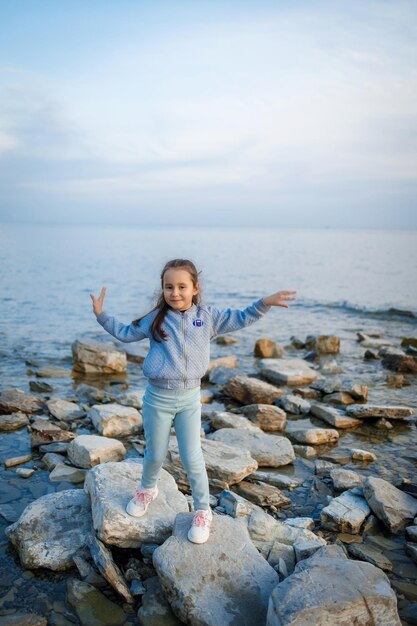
(285, 113)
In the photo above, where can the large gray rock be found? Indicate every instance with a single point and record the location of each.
(304, 431)
(111, 486)
(64, 410)
(15, 400)
(115, 420)
(248, 390)
(224, 419)
(267, 416)
(53, 529)
(288, 371)
(89, 450)
(365, 411)
(393, 507)
(225, 464)
(229, 582)
(334, 417)
(346, 513)
(268, 450)
(94, 357)
(330, 589)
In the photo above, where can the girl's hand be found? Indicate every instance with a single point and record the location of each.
(98, 302)
(279, 298)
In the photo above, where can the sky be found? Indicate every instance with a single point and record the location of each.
(205, 112)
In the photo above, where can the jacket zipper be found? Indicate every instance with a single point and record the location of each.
(185, 355)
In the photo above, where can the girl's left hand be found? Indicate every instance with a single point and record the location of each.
(279, 298)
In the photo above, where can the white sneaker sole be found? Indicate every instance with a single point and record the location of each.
(137, 511)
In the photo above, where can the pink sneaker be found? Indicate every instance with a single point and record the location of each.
(141, 500)
(200, 526)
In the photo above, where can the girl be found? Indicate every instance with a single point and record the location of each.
(179, 328)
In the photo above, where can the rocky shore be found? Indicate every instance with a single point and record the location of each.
(309, 525)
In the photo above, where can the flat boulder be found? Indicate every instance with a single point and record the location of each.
(365, 411)
(304, 431)
(115, 420)
(328, 589)
(53, 529)
(225, 464)
(229, 580)
(42, 431)
(269, 417)
(288, 371)
(333, 416)
(90, 450)
(268, 450)
(393, 507)
(224, 419)
(97, 357)
(248, 390)
(13, 421)
(14, 400)
(111, 486)
(64, 410)
(346, 513)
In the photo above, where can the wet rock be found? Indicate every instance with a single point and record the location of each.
(323, 344)
(294, 404)
(249, 390)
(288, 372)
(13, 421)
(225, 340)
(111, 486)
(346, 513)
(40, 386)
(89, 573)
(89, 450)
(394, 508)
(400, 362)
(225, 464)
(370, 356)
(395, 380)
(155, 609)
(305, 452)
(339, 397)
(59, 447)
(300, 522)
(330, 589)
(267, 450)
(52, 371)
(94, 357)
(303, 431)
(262, 494)
(25, 472)
(266, 348)
(334, 417)
(89, 394)
(268, 417)
(362, 455)
(224, 361)
(368, 341)
(43, 431)
(17, 460)
(206, 396)
(67, 473)
(16, 400)
(411, 550)
(323, 467)
(359, 392)
(64, 410)
(307, 393)
(224, 419)
(327, 386)
(365, 552)
(52, 529)
(365, 411)
(130, 398)
(51, 460)
(23, 619)
(115, 420)
(92, 606)
(221, 375)
(278, 480)
(411, 533)
(105, 564)
(208, 590)
(383, 424)
(236, 505)
(345, 479)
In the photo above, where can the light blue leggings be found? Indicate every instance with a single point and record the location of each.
(160, 407)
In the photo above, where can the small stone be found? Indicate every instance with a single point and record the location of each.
(292, 372)
(249, 390)
(223, 340)
(13, 421)
(339, 397)
(324, 344)
(17, 460)
(294, 404)
(395, 380)
(345, 479)
(266, 348)
(68, 473)
(306, 452)
(64, 410)
(88, 450)
(362, 455)
(115, 420)
(25, 472)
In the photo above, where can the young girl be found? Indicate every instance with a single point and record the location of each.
(179, 328)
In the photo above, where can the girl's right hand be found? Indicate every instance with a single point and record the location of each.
(98, 302)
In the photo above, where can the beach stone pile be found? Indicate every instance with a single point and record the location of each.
(262, 564)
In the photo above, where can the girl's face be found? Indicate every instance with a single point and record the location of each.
(179, 289)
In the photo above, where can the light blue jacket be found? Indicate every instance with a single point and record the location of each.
(182, 360)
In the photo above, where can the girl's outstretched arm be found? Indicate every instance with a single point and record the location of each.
(228, 320)
(123, 332)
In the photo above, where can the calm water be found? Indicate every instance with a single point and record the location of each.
(346, 281)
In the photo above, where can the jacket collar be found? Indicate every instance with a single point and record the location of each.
(189, 311)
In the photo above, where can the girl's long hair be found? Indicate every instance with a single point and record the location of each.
(161, 305)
